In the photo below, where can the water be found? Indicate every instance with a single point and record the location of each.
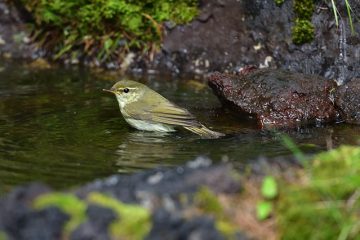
(58, 127)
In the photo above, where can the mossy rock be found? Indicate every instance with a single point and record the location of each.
(133, 221)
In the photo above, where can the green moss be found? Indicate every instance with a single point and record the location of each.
(226, 228)
(326, 203)
(304, 9)
(208, 202)
(3, 235)
(279, 2)
(104, 28)
(68, 203)
(337, 173)
(302, 31)
(133, 220)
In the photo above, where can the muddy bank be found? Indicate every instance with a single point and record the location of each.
(278, 98)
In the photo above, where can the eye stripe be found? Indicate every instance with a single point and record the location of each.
(130, 88)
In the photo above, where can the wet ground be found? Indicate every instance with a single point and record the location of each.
(58, 127)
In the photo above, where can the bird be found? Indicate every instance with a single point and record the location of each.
(147, 110)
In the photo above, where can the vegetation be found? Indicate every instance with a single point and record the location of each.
(133, 221)
(279, 2)
(68, 203)
(325, 202)
(3, 236)
(105, 29)
(303, 29)
(206, 201)
(269, 191)
(349, 11)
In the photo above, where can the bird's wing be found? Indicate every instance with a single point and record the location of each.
(163, 112)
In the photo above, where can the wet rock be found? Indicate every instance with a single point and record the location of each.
(44, 224)
(97, 224)
(347, 99)
(168, 226)
(148, 186)
(239, 33)
(277, 98)
(20, 221)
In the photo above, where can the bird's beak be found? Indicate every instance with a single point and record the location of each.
(107, 90)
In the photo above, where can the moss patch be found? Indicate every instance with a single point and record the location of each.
(302, 31)
(68, 203)
(325, 203)
(133, 220)
(3, 236)
(304, 9)
(105, 29)
(279, 2)
(209, 203)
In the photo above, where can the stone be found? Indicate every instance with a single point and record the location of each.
(277, 98)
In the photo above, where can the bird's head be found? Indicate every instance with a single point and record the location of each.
(127, 91)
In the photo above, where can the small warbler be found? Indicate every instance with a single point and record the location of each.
(147, 110)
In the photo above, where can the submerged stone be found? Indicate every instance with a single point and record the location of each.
(278, 98)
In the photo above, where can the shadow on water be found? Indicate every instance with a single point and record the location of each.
(58, 127)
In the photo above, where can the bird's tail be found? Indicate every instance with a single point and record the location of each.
(204, 132)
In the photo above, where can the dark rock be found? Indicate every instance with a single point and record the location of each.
(239, 33)
(44, 224)
(166, 182)
(278, 98)
(167, 226)
(14, 35)
(97, 224)
(347, 99)
(20, 221)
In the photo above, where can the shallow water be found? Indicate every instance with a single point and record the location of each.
(58, 127)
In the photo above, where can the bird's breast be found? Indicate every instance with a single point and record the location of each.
(149, 126)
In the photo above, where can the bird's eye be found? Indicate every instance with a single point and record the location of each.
(126, 90)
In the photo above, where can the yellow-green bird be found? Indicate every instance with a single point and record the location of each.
(147, 110)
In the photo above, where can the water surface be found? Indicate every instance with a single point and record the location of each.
(58, 127)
